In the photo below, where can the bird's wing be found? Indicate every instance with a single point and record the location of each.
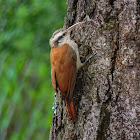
(63, 69)
(53, 78)
(63, 75)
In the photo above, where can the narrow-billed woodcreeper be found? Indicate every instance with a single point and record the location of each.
(65, 63)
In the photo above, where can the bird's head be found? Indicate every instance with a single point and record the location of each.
(61, 36)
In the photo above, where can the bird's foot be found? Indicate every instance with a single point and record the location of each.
(92, 55)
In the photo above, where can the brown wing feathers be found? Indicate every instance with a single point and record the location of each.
(64, 66)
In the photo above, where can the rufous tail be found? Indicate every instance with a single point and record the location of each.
(70, 109)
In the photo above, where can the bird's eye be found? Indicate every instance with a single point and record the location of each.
(64, 34)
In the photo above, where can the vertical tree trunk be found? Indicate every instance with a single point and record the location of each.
(107, 89)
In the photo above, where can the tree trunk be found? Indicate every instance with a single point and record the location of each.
(106, 93)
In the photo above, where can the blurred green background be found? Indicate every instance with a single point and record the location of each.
(26, 94)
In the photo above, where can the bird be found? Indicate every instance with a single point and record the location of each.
(65, 63)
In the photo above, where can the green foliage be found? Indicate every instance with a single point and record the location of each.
(26, 94)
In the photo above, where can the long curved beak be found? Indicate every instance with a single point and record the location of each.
(73, 26)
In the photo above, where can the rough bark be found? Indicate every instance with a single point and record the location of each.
(107, 89)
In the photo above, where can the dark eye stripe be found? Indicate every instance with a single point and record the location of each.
(60, 37)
